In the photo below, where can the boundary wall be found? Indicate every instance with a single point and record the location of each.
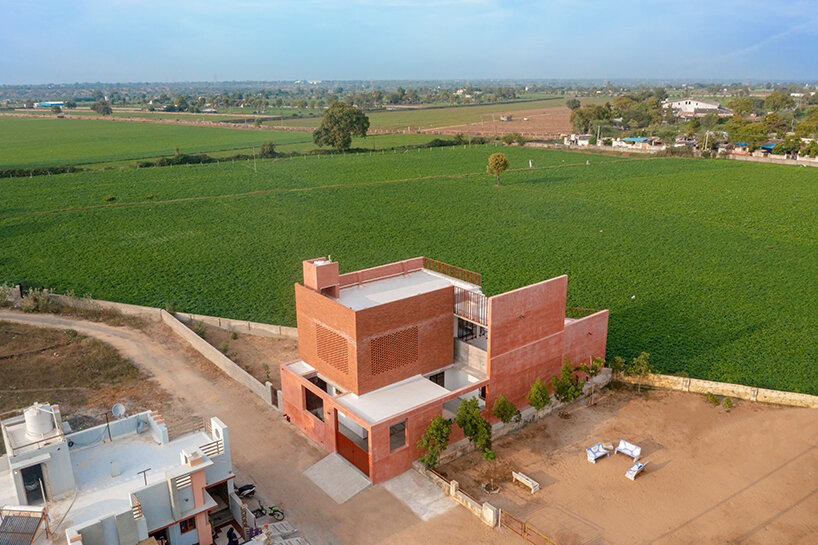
(698, 386)
(486, 512)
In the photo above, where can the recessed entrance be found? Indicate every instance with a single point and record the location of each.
(352, 442)
(34, 483)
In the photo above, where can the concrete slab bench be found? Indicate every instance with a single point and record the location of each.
(526, 481)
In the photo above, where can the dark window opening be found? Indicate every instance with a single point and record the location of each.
(397, 435)
(318, 381)
(437, 378)
(314, 404)
(34, 483)
(483, 393)
(187, 525)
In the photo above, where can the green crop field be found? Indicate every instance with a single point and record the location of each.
(29, 142)
(708, 265)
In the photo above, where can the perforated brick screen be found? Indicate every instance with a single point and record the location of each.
(394, 350)
(332, 348)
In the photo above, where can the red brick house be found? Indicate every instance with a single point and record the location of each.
(384, 350)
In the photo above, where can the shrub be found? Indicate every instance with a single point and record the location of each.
(266, 371)
(728, 403)
(435, 440)
(711, 397)
(199, 328)
(594, 369)
(109, 198)
(706, 154)
(475, 427)
(170, 308)
(36, 300)
(268, 149)
(569, 386)
(234, 335)
(538, 397)
(5, 294)
(225, 346)
(505, 410)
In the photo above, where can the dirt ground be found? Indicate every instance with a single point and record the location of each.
(252, 352)
(744, 475)
(84, 376)
(542, 122)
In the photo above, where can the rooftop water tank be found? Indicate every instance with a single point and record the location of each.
(39, 420)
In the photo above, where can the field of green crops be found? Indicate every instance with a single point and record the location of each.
(29, 142)
(710, 266)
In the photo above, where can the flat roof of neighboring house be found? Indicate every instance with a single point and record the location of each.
(98, 493)
(393, 399)
(386, 290)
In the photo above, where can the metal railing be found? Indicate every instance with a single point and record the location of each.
(454, 272)
(575, 313)
(528, 533)
(213, 449)
(190, 425)
(471, 305)
(136, 507)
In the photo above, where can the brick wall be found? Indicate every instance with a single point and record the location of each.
(321, 319)
(404, 338)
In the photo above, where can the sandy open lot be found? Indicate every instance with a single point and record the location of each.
(541, 122)
(747, 475)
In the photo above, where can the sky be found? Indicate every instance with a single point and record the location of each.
(185, 40)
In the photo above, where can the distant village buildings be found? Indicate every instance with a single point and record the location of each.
(688, 108)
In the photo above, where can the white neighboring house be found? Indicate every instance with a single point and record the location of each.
(641, 143)
(577, 140)
(692, 107)
(59, 103)
(117, 483)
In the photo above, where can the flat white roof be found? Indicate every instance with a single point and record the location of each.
(99, 494)
(393, 399)
(300, 367)
(391, 289)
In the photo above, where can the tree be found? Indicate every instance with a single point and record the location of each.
(70, 104)
(505, 410)
(497, 164)
(573, 103)
(340, 123)
(710, 120)
(435, 440)
(569, 386)
(56, 109)
(538, 397)
(778, 101)
(475, 427)
(268, 150)
(741, 106)
(28, 103)
(102, 107)
(639, 367)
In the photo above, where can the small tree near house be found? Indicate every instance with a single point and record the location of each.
(569, 386)
(505, 410)
(435, 440)
(475, 427)
(497, 165)
(538, 397)
(639, 367)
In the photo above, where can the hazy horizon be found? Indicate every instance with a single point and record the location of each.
(421, 40)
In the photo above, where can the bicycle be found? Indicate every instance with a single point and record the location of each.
(273, 511)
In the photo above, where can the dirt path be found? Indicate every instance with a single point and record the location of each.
(274, 454)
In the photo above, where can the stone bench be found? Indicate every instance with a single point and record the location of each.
(526, 481)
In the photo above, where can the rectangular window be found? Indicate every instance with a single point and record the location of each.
(437, 378)
(397, 435)
(483, 393)
(314, 404)
(187, 525)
